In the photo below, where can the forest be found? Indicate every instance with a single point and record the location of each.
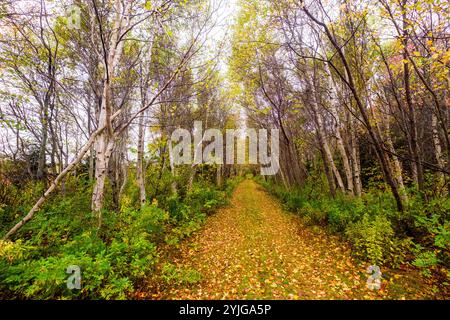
(349, 101)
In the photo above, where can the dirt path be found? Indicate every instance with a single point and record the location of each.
(252, 249)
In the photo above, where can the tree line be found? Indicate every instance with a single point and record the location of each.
(84, 81)
(350, 82)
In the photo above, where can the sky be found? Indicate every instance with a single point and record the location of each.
(225, 16)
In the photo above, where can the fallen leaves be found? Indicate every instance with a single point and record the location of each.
(254, 250)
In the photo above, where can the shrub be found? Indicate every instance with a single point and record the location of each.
(171, 274)
(108, 271)
(205, 198)
(433, 227)
(369, 223)
(374, 240)
(113, 260)
(313, 215)
(427, 260)
(343, 211)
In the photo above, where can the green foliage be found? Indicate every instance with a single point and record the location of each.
(371, 224)
(432, 225)
(207, 198)
(374, 240)
(426, 260)
(108, 271)
(171, 274)
(188, 214)
(150, 219)
(115, 259)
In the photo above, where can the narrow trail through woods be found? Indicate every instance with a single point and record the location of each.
(252, 249)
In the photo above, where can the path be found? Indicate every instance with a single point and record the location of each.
(252, 249)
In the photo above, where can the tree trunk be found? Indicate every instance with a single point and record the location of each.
(409, 103)
(43, 144)
(395, 163)
(219, 175)
(328, 170)
(325, 147)
(337, 127)
(348, 80)
(140, 161)
(104, 147)
(91, 150)
(106, 140)
(354, 146)
(437, 149)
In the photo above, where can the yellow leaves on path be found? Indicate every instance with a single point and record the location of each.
(252, 249)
